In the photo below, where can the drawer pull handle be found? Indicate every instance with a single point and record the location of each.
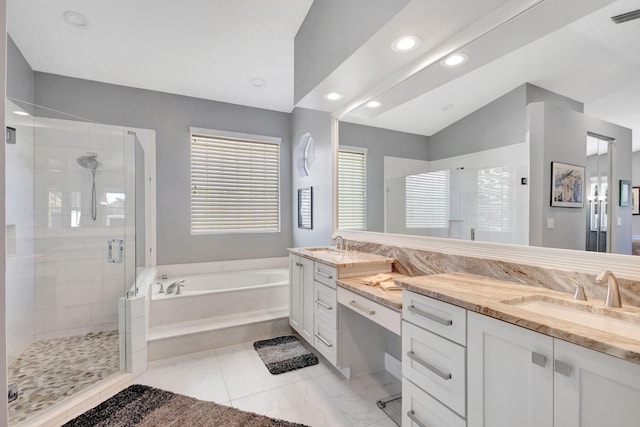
(327, 343)
(361, 308)
(538, 359)
(325, 305)
(418, 312)
(562, 368)
(442, 374)
(412, 416)
(323, 274)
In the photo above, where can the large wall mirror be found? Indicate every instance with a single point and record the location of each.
(465, 152)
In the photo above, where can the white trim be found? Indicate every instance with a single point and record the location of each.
(234, 135)
(624, 266)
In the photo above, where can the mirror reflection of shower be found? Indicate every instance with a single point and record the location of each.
(90, 161)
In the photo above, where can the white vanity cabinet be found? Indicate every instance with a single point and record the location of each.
(594, 389)
(510, 374)
(301, 295)
(524, 378)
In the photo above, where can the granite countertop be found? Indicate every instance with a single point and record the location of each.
(390, 299)
(486, 296)
(339, 258)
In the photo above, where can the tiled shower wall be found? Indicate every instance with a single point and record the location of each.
(20, 247)
(76, 288)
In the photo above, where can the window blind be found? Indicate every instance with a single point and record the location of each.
(427, 198)
(352, 190)
(496, 189)
(235, 185)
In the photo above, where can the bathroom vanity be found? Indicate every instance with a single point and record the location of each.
(483, 352)
(334, 313)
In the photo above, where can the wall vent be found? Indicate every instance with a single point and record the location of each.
(626, 17)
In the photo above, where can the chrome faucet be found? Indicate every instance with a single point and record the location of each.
(613, 293)
(339, 242)
(174, 285)
(579, 293)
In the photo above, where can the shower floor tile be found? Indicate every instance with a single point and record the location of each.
(49, 371)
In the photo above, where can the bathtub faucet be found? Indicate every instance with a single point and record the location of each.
(173, 286)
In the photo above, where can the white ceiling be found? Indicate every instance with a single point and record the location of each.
(591, 60)
(209, 49)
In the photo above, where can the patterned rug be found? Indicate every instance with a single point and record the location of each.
(140, 405)
(284, 354)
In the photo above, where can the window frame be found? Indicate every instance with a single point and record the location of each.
(195, 132)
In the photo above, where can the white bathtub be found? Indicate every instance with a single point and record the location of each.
(220, 294)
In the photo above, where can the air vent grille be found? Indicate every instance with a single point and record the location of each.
(625, 17)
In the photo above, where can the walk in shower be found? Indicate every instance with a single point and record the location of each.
(71, 252)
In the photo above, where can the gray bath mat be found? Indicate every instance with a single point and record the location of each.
(144, 406)
(284, 354)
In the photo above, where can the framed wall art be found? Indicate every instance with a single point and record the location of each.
(567, 185)
(625, 193)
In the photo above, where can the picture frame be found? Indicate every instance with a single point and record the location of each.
(567, 185)
(625, 193)
(305, 208)
(635, 200)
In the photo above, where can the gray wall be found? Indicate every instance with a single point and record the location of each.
(20, 76)
(380, 143)
(328, 36)
(320, 177)
(635, 181)
(500, 123)
(170, 116)
(497, 124)
(559, 134)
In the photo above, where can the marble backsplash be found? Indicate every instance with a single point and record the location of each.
(415, 262)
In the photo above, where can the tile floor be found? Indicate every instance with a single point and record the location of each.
(50, 371)
(316, 396)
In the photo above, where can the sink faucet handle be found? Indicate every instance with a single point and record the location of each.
(613, 292)
(579, 293)
(161, 290)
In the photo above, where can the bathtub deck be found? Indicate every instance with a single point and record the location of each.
(206, 334)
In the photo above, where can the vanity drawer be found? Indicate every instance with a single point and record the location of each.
(325, 339)
(436, 316)
(436, 365)
(324, 302)
(418, 409)
(325, 274)
(383, 316)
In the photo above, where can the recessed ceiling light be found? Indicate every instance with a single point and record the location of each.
(405, 44)
(373, 104)
(454, 60)
(333, 96)
(258, 82)
(21, 113)
(74, 18)
(447, 107)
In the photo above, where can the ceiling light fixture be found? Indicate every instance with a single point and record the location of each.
(454, 60)
(75, 19)
(21, 113)
(448, 107)
(405, 44)
(258, 82)
(373, 104)
(333, 96)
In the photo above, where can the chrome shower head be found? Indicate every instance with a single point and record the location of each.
(90, 161)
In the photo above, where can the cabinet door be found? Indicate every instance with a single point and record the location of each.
(594, 389)
(295, 293)
(509, 374)
(306, 274)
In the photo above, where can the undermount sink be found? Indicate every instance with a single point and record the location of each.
(324, 249)
(592, 316)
